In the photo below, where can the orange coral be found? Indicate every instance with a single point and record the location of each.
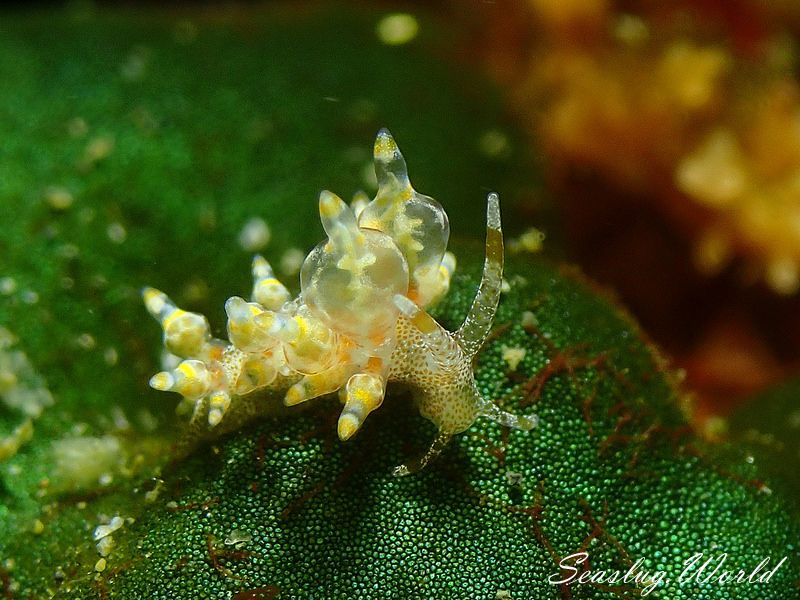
(693, 107)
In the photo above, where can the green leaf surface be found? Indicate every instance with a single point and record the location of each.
(768, 426)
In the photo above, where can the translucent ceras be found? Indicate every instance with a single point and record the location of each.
(358, 323)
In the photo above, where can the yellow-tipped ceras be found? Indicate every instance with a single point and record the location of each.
(358, 324)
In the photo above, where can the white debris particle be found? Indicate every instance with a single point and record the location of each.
(255, 235)
(397, 29)
(531, 240)
(529, 319)
(121, 422)
(27, 398)
(8, 285)
(79, 428)
(21, 387)
(513, 356)
(111, 356)
(85, 463)
(152, 495)
(291, 261)
(86, 341)
(514, 478)
(58, 198)
(116, 232)
(494, 144)
(10, 444)
(30, 296)
(238, 538)
(505, 287)
(102, 531)
(105, 545)
(97, 149)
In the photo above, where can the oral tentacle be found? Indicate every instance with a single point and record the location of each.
(478, 322)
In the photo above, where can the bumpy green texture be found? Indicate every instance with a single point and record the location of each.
(769, 427)
(169, 130)
(610, 469)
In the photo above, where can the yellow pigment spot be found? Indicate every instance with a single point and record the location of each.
(385, 148)
(424, 323)
(187, 369)
(161, 381)
(294, 395)
(172, 317)
(153, 300)
(328, 207)
(347, 427)
(513, 356)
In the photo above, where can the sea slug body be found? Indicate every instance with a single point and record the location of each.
(358, 323)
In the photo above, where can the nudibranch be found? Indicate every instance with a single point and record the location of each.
(358, 324)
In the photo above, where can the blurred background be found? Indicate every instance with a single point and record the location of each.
(668, 138)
